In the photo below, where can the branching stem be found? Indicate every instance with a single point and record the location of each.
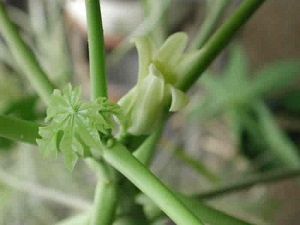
(122, 160)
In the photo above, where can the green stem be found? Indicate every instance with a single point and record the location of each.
(219, 41)
(25, 57)
(215, 11)
(146, 151)
(18, 130)
(96, 49)
(146, 6)
(106, 194)
(103, 212)
(122, 160)
(24, 131)
(209, 214)
(242, 185)
(106, 198)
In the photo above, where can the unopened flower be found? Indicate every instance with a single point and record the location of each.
(159, 70)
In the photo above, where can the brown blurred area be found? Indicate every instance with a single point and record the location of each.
(273, 33)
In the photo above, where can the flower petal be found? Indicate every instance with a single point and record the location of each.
(146, 50)
(172, 49)
(148, 107)
(167, 57)
(179, 99)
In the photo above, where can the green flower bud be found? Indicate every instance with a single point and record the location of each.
(159, 70)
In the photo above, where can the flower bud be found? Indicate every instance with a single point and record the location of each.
(159, 70)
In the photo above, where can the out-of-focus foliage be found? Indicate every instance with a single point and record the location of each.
(234, 94)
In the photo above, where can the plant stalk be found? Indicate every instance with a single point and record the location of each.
(106, 198)
(106, 194)
(96, 49)
(120, 158)
(219, 41)
(146, 151)
(123, 161)
(25, 57)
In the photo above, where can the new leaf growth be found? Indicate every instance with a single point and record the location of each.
(75, 127)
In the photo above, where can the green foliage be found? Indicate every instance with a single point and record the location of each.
(232, 93)
(232, 89)
(77, 127)
(24, 108)
(291, 102)
(81, 128)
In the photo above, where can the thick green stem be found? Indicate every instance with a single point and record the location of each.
(122, 160)
(24, 56)
(18, 130)
(215, 11)
(219, 41)
(96, 49)
(105, 203)
(106, 194)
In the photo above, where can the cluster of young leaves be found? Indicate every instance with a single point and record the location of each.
(76, 127)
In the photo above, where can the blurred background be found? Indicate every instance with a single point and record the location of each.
(243, 119)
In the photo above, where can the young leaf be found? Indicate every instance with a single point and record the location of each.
(75, 125)
(280, 145)
(275, 76)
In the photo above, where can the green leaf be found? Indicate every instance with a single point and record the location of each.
(280, 145)
(146, 49)
(235, 74)
(75, 125)
(170, 52)
(179, 99)
(291, 101)
(275, 76)
(197, 166)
